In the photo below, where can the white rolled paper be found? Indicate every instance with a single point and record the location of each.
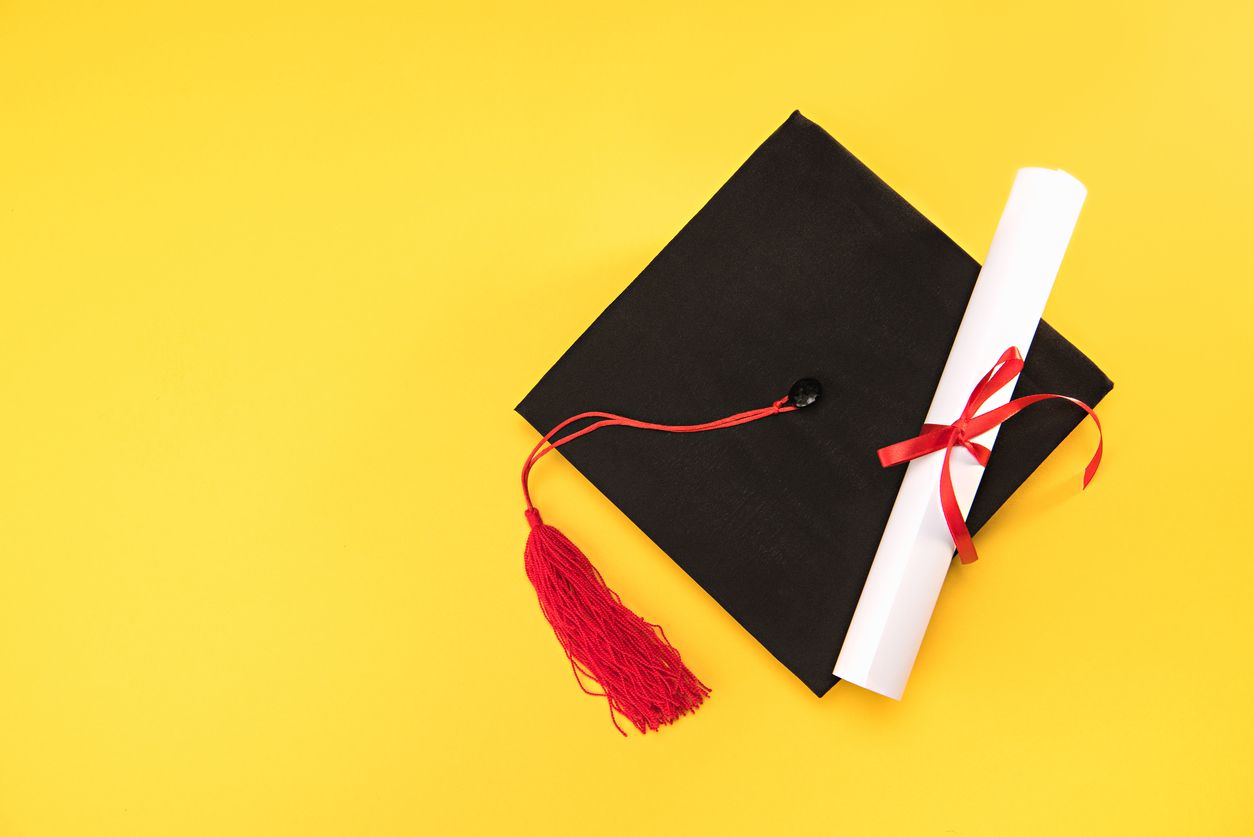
(916, 549)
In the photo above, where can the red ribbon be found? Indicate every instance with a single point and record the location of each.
(946, 437)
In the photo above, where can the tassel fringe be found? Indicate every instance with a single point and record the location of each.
(638, 671)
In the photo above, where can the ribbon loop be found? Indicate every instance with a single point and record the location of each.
(969, 425)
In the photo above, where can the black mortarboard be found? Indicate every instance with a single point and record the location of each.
(803, 265)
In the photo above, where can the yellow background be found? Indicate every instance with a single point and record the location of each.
(274, 277)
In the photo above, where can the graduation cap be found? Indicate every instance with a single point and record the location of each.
(810, 306)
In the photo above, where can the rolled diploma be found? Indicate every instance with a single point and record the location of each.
(916, 549)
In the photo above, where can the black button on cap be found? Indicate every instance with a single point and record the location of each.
(805, 392)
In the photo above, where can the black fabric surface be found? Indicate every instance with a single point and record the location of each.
(804, 264)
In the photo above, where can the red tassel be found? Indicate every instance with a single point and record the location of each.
(639, 672)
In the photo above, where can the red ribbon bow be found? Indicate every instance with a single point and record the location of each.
(969, 425)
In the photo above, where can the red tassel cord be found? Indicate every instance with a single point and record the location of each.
(637, 670)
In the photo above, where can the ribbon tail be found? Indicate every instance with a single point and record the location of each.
(1090, 470)
(989, 420)
(978, 451)
(953, 514)
(933, 438)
